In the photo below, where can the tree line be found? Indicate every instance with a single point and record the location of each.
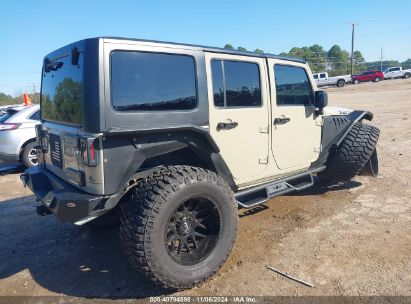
(335, 61)
(10, 100)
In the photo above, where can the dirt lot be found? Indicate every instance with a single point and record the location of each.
(350, 239)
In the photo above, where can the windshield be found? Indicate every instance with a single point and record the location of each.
(62, 90)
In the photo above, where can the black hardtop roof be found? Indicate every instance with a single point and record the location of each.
(212, 49)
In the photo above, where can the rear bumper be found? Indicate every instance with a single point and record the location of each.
(66, 202)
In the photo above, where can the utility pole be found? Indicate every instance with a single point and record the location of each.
(381, 61)
(34, 93)
(352, 46)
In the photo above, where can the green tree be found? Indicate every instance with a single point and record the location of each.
(406, 64)
(315, 55)
(317, 58)
(339, 61)
(67, 102)
(376, 65)
(359, 63)
(258, 51)
(229, 46)
(6, 99)
(241, 49)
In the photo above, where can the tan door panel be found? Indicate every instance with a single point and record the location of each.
(244, 138)
(296, 129)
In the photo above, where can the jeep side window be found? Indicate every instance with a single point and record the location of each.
(152, 81)
(315, 76)
(236, 83)
(218, 83)
(292, 86)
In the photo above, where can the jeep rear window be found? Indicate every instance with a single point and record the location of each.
(62, 90)
(236, 83)
(143, 81)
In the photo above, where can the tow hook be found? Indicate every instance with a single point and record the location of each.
(42, 210)
(23, 179)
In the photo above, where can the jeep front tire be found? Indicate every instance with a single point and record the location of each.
(179, 225)
(353, 153)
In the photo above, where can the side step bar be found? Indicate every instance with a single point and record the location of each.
(260, 194)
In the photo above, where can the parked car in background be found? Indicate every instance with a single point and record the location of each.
(397, 72)
(18, 135)
(375, 76)
(322, 79)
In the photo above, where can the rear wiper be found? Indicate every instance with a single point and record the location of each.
(53, 66)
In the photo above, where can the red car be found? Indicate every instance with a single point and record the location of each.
(368, 76)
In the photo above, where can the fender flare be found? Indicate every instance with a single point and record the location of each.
(335, 129)
(134, 148)
(355, 117)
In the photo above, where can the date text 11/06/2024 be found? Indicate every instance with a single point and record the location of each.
(203, 299)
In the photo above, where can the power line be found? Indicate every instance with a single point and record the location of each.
(18, 85)
(2, 72)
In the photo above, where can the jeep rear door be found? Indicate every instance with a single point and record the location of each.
(239, 113)
(296, 127)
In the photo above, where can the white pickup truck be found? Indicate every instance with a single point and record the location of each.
(322, 79)
(397, 72)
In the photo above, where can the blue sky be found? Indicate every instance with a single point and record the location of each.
(31, 29)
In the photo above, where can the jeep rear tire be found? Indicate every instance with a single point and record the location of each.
(179, 225)
(351, 156)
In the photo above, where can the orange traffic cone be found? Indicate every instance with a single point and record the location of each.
(27, 100)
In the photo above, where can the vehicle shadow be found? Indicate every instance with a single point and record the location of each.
(254, 210)
(65, 259)
(321, 188)
(9, 168)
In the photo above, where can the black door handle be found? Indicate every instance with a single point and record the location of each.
(226, 125)
(281, 120)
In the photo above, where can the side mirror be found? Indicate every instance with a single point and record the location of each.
(321, 100)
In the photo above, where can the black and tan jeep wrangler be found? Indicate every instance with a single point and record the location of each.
(168, 140)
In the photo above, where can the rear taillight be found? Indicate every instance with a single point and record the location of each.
(9, 126)
(89, 151)
(42, 138)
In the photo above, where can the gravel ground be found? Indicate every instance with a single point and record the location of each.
(350, 239)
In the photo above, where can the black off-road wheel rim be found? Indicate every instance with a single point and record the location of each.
(192, 231)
